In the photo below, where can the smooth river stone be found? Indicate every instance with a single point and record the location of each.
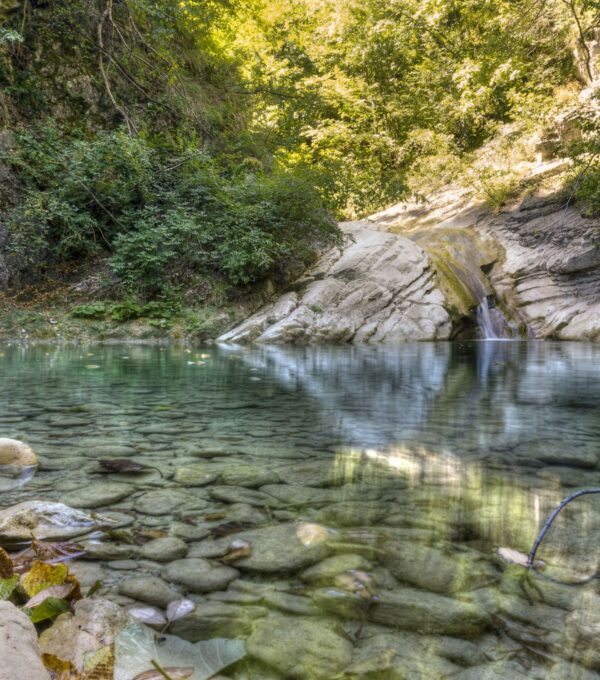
(382, 655)
(249, 476)
(217, 619)
(14, 452)
(305, 495)
(149, 589)
(44, 520)
(167, 501)
(166, 549)
(199, 575)
(325, 572)
(239, 494)
(283, 547)
(194, 476)
(300, 647)
(408, 609)
(436, 570)
(98, 495)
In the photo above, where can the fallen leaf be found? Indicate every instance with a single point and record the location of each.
(137, 646)
(122, 465)
(7, 586)
(59, 669)
(99, 665)
(60, 592)
(228, 528)
(517, 557)
(237, 550)
(173, 672)
(179, 608)
(42, 576)
(6, 564)
(150, 615)
(49, 609)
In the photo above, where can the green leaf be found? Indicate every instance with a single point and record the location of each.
(49, 609)
(7, 585)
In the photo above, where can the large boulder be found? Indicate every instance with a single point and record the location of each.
(19, 648)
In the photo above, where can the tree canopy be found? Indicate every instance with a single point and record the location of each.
(177, 121)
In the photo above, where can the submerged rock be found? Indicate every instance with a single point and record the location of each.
(217, 619)
(395, 658)
(50, 521)
(19, 647)
(165, 549)
(324, 572)
(284, 547)
(407, 609)
(436, 570)
(199, 575)
(150, 590)
(98, 495)
(14, 452)
(302, 648)
(498, 670)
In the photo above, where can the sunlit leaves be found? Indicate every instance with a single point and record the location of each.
(7, 586)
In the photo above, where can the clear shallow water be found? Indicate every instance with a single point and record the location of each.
(418, 462)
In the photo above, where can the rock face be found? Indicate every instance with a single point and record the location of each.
(380, 288)
(419, 271)
(19, 648)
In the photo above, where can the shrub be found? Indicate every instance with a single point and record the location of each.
(96, 310)
(165, 222)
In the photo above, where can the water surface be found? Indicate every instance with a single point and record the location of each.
(418, 462)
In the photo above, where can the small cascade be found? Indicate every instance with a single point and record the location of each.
(491, 321)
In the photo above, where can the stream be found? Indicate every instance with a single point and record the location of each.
(368, 490)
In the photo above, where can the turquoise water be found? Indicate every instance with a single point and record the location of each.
(417, 462)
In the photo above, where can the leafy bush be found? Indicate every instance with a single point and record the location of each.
(126, 311)
(96, 310)
(164, 221)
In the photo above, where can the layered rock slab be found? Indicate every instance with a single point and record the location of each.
(380, 288)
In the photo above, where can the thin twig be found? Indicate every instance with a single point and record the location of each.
(550, 520)
(161, 670)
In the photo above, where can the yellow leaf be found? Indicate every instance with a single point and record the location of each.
(6, 564)
(42, 576)
(59, 669)
(99, 665)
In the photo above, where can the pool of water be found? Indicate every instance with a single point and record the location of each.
(339, 509)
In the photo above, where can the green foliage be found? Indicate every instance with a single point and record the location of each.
(127, 311)
(200, 142)
(96, 310)
(163, 220)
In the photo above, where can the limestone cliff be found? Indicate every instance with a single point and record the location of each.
(420, 271)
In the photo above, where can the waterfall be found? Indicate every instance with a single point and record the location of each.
(491, 322)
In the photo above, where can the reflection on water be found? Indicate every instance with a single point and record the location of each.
(407, 468)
